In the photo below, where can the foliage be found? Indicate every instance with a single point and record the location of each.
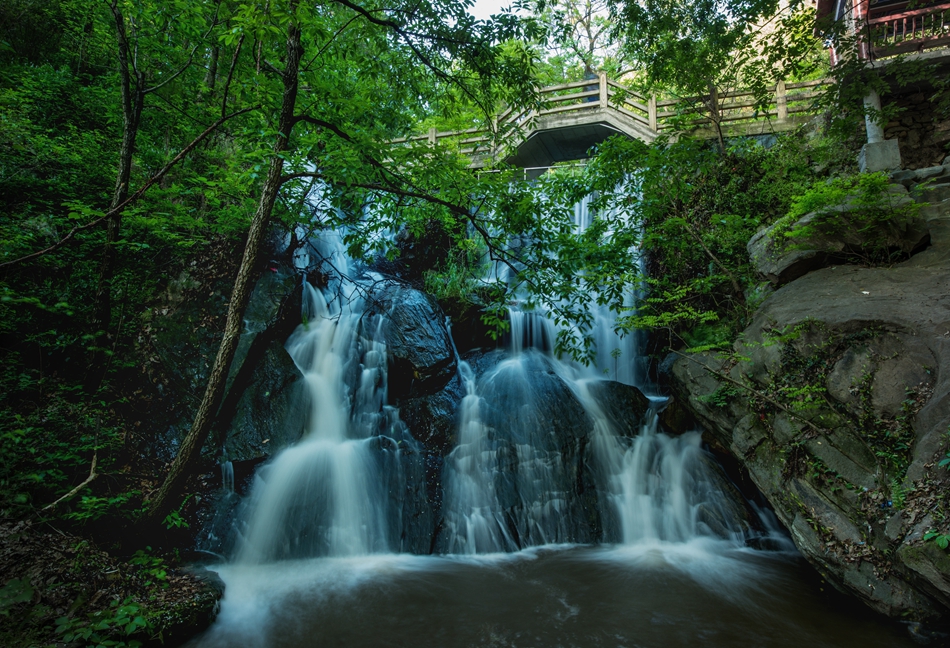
(856, 208)
(945, 461)
(112, 628)
(701, 51)
(696, 210)
(14, 591)
(942, 540)
(154, 566)
(581, 38)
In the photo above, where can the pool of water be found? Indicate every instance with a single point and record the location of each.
(702, 593)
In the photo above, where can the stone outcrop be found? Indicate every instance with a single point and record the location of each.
(836, 401)
(778, 261)
(624, 405)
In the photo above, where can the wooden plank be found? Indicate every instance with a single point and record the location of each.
(781, 102)
(935, 10)
(808, 84)
(912, 45)
(627, 91)
(750, 117)
(632, 115)
(571, 97)
(803, 96)
(568, 86)
(572, 107)
(645, 108)
(737, 105)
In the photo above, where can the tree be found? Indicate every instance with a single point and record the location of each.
(701, 51)
(364, 69)
(582, 33)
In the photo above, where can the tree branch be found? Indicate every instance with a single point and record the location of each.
(227, 83)
(191, 55)
(131, 199)
(92, 476)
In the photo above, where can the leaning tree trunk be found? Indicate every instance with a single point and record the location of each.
(189, 453)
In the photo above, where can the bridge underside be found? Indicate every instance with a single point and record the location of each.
(566, 137)
(545, 148)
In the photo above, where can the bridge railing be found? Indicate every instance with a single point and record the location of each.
(888, 34)
(734, 109)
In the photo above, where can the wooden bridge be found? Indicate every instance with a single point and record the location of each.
(573, 117)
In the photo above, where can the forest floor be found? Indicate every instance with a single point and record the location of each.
(61, 589)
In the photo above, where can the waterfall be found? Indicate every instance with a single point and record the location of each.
(537, 459)
(474, 520)
(323, 496)
(508, 487)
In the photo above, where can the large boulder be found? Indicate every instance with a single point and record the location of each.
(623, 405)
(836, 235)
(421, 355)
(837, 403)
(536, 439)
(182, 339)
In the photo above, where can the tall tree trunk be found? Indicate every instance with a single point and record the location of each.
(132, 86)
(190, 451)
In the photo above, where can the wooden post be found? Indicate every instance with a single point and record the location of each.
(432, 132)
(781, 101)
(651, 113)
(603, 89)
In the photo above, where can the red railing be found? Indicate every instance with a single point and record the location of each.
(908, 31)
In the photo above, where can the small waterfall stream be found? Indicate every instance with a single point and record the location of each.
(321, 497)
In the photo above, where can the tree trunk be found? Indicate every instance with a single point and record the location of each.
(716, 116)
(189, 453)
(132, 87)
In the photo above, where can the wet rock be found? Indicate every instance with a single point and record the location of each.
(624, 405)
(677, 419)
(271, 413)
(421, 356)
(539, 433)
(185, 333)
(433, 419)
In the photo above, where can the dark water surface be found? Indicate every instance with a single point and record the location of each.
(702, 593)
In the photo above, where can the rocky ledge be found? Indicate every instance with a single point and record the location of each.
(836, 400)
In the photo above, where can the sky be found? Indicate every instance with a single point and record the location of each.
(484, 8)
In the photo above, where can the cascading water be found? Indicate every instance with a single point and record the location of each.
(325, 496)
(320, 497)
(538, 460)
(474, 519)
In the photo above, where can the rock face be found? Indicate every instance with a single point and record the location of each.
(421, 356)
(624, 405)
(779, 263)
(537, 435)
(184, 338)
(837, 402)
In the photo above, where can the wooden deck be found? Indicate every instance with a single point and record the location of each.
(573, 117)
